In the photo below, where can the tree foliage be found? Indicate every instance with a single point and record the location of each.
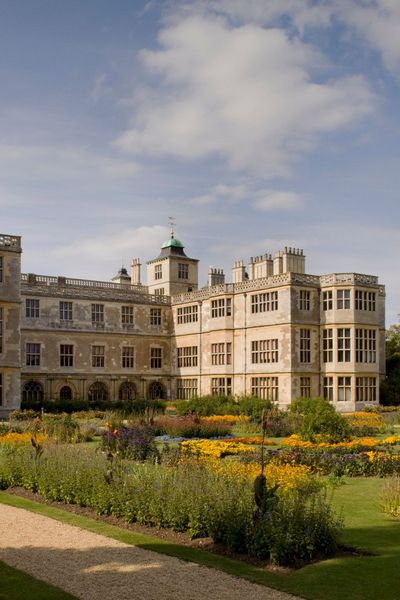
(393, 342)
(390, 389)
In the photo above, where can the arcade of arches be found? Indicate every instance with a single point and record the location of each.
(98, 391)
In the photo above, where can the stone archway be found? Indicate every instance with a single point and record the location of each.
(127, 391)
(98, 392)
(33, 392)
(65, 393)
(156, 391)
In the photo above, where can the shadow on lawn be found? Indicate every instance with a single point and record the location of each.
(365, 577)
(127, 572)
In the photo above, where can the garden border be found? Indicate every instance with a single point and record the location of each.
(146, 542)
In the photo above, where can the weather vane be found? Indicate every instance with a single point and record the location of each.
(171, 221)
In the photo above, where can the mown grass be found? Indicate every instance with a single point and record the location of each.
(16, 585)
(368, 575)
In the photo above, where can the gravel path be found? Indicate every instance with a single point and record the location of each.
(91, 566)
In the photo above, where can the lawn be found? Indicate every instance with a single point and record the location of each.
(359, 577)
(16, 585)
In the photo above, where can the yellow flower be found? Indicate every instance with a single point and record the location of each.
(255, 439)
(365, 419)
(295, 441)
(286, 476)
(226, 418)
(215, 448)
(18, 439)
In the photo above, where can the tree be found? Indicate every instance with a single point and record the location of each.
(390, 389)
(393, 342)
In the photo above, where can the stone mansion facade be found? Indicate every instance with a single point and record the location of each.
(275, 332)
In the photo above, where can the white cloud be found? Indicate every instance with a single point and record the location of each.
(261, 199)
(304, 13)
(243, 94)
(99, 88)
(203, 200)
(378, 21)
(271, 200)
(221, 193)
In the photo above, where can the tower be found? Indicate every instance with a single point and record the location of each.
(122, 277)
(172, 272)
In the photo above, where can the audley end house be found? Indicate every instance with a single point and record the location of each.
(275, 332)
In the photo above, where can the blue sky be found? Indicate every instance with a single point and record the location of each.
(256, 124)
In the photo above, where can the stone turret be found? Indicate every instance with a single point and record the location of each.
(239, 272)
(172, 272)
(289, 260)
(122, 277)
(215, 277)
(135, 271)
(261, 266)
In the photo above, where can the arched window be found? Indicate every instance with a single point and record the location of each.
(32, 392)
(98, 392)
(156, 390)
(127, 391)
(65, 393)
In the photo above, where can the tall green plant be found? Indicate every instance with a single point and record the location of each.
(318, 420)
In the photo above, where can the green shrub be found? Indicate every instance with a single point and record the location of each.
(187, 496)
(317, 420)
(23, 415)
(61, 428)
(145, 408)
(253, 407)
(4, 429)
(279, 423)
(205, 406)
(299, 526)
(89, 415)
(69, 406)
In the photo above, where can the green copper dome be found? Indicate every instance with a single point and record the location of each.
(172, 243)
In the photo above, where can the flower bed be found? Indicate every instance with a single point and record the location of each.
(339, 461)
(214, 448)
(192, 496)
(226, 419)
(191, 427)
(365, 442)
(255, 439)
(17, 439)
(365, 423)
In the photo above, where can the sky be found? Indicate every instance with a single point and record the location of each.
(257, 125)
